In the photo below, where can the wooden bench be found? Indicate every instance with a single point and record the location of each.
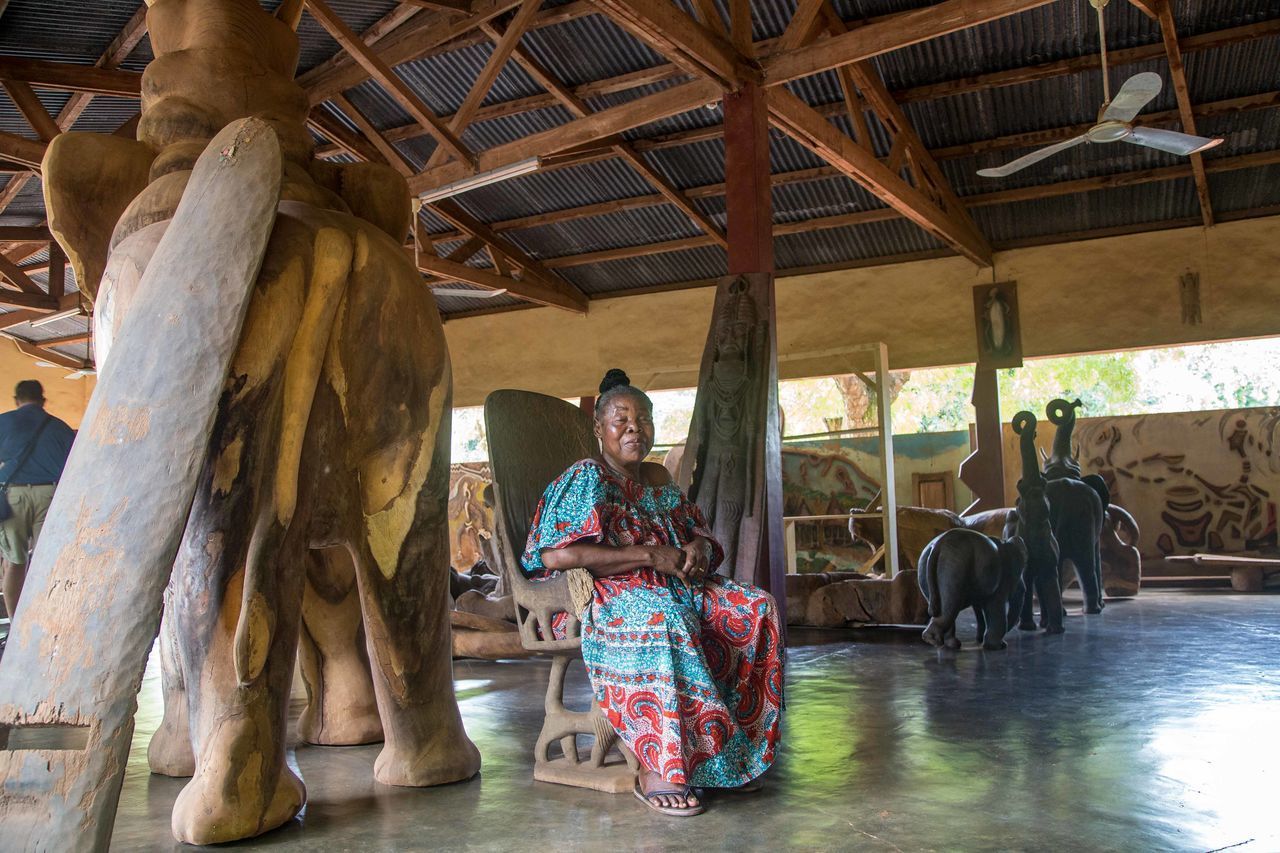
(1248, 574)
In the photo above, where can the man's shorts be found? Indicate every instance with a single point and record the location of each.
(19, 533)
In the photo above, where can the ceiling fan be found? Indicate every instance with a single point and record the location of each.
(1115, 119)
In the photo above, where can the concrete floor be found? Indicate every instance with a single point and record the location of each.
(1152, 727)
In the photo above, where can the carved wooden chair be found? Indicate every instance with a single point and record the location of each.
(533, 438)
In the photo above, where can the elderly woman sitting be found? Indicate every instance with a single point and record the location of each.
(685, 664)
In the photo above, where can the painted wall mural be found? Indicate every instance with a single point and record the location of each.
(1195, 481)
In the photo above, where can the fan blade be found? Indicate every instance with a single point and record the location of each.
(1034, 157)
(1171, 140)
(468, 294)
(1136, 93)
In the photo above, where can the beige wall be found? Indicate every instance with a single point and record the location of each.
(1112, 293)
(67, 398)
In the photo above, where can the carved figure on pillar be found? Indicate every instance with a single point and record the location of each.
(724, 458)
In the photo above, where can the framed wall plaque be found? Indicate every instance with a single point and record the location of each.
(999, 328)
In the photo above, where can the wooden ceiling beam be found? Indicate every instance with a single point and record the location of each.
(73, 78)
(536, 283)
(550, 288)
(1146, 7)
(800, 121)
(900, 31)
(41, 302)
(25, 99)
(844, 220)
(380, 71)
(1169, 34)
(502, 48)
(15, 277)
(1010, 77)
(455, 7)
(709, 16)
(368, 133)
(35, 351)
(1048, 136)
(1086, 63)
(867, 79)
(19, 149)
(596, 126)
(64, 340)
(668, 30)
(423, 35)
(801, 26)
(623, 150)
(352, 143)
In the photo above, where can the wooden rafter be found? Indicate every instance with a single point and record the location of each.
(14, 277)
(885, 214)
(380, 71)
(900, 31)
(688, 44)
(551, 289)
(623, 150)
(64, 340)
(117, 51)
(536, 284)
(73, 78)
(1087, 63)
(19, 149)
(1146, 7)
(709, 15)
(1169, 34)
(906, 141)
(419, 37)
(24, 98)
(591, 128)
(37, 352)
(800, 28)
(484, 81)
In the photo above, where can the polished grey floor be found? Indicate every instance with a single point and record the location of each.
(1152, 727)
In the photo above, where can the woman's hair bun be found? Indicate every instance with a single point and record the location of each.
(614, 379)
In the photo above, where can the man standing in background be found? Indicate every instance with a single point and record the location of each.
(33, 450)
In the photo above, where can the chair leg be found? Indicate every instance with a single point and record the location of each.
(604, 771)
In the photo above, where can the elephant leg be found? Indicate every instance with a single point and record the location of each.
(1028, 620)
(1097, 574)
(407, 630)
(981, 618)
(1050, 595)
(169, 752)
(995, 624)
(237, 597)
(341, 709)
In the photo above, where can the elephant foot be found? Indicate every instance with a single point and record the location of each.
(1027, 625)
(169, 752)
(209, 812)
(952, 643)
(996, 647)
(933, 634)
(449, 756)
(1055, 629)
(350, 727)
(1094, 609)
(242, 786)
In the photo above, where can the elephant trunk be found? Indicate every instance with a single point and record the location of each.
(1062, 463)
(1024, 425)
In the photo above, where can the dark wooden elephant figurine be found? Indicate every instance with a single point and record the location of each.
(963, 568)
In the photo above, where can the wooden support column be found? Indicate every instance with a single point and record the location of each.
(983, 470)
(746, 300)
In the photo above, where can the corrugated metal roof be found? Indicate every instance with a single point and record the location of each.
(592, 48)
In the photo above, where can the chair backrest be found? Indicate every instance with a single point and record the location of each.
(532, 438)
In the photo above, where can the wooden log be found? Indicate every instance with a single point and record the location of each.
(68, 715)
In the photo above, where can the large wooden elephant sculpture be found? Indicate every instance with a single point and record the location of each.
(320, 510)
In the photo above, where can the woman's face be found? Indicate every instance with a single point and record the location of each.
(625, 429)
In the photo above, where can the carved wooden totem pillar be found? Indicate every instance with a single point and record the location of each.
(733, 457)
(317, 482)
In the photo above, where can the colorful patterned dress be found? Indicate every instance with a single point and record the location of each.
(691, 678)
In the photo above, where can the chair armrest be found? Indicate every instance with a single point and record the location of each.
(538, 602)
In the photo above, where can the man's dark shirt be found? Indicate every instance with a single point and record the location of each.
(50, 453)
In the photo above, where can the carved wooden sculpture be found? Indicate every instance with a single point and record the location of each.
(532, 439)
(1031, 522)
(723, 461)
(319, 503)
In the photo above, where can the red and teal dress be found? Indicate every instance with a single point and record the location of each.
(689, 676)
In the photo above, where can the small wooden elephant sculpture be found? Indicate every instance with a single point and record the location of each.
(963, 568)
